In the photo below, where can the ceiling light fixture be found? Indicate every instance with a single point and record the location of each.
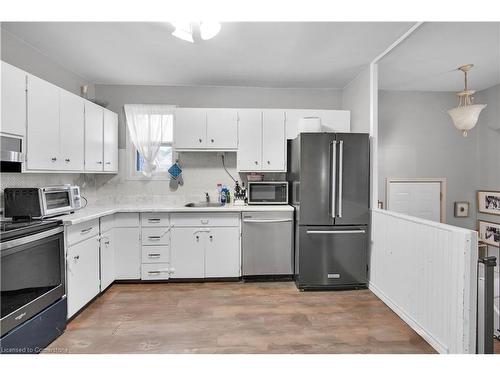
(465, 116)
(184, 30)
(209, 29)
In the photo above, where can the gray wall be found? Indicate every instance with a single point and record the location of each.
(231, 97)
(20, 54)
(356, 98)
(417, 139)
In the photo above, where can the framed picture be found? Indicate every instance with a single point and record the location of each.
(461, 209)
(488, 202)
(489, 232)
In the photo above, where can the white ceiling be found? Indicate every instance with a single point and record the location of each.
(427, 60)
(274, 54)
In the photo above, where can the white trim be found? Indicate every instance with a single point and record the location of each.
(442, 188)
(397, 42)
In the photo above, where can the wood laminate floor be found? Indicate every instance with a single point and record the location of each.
(236, 317)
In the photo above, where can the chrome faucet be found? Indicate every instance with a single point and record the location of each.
(207, 198)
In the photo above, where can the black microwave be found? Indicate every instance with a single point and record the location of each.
(268, 192)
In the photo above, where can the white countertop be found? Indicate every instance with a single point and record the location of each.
(95, 212)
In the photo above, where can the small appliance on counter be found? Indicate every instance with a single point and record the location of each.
(11, 156)
(268, 192)
(44, 202)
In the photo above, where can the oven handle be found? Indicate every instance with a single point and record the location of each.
(9, 246)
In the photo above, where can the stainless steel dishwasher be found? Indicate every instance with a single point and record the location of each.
(267, 245)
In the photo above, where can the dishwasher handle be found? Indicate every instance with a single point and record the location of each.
(348, 231)
(267, 220)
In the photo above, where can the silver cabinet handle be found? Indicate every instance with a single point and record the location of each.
(268, 162)
(204, 221)
(341, 156)
(154, 238)
(332, 181)
(84, 231)
(154, 220)
(99, 162)
(267, 220)
(211, 237)
(153, 272)
(199, 140)
(256, 162)
(54, 159)
(212, 140)
(76, 257)
(66, 160)
(155, 255)
(349, 231)
(108, 162)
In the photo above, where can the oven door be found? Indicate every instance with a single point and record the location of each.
(32, 276)
(56, 200)
(268, 193)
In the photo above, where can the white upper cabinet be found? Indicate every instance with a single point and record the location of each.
(249, 140)
(261, 141)
(43, 125)
(273, 140)
(71, 131)
(110, 141)
(222, 129)
(13, 100)
(205, 129)
(93, 137)
(331, 120)
(190, 128)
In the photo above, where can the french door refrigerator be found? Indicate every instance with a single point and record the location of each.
(329, 175)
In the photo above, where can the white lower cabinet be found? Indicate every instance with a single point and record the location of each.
(203, 252)
(222, 252)
(187, 253)
(127, 254)
(82, 262)
(107, 259)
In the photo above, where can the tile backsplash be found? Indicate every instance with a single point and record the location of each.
(202, 171)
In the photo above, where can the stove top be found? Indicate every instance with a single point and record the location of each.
(10, 230)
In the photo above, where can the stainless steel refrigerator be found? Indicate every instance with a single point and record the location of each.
(329, 174)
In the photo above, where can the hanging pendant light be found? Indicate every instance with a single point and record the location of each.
(465, 116)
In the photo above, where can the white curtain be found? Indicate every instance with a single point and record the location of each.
(145, 127)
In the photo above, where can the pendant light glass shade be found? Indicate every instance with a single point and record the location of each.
(465, 117)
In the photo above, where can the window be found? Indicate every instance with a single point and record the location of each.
(165, 155)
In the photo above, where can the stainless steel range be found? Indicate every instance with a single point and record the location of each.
(33, 297)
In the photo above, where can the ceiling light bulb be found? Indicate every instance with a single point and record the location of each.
(209, 29)
(183, 30)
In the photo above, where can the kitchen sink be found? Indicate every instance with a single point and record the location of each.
(202, 204)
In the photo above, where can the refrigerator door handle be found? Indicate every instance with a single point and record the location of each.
(341, 157)
(349, 231)
(332, 179)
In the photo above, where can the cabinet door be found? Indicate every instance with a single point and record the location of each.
(93, 137)
(83, 274)
(222, 129)
(13, 100)
(273, 141)
(42, 125)
(249, 139)
(107, 259)
(187, 252)
(71, 116)
(222, 253)
(190, 128)
(110, 141)
(127, 254)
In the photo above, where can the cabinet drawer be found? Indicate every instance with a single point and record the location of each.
(158, 271)
(156, 254)
(150, 219)
(155, 236)
(224, 219)
(82, 231)
(107, 223)
(126, 220)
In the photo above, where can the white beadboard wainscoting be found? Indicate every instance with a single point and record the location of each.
(426, 272)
